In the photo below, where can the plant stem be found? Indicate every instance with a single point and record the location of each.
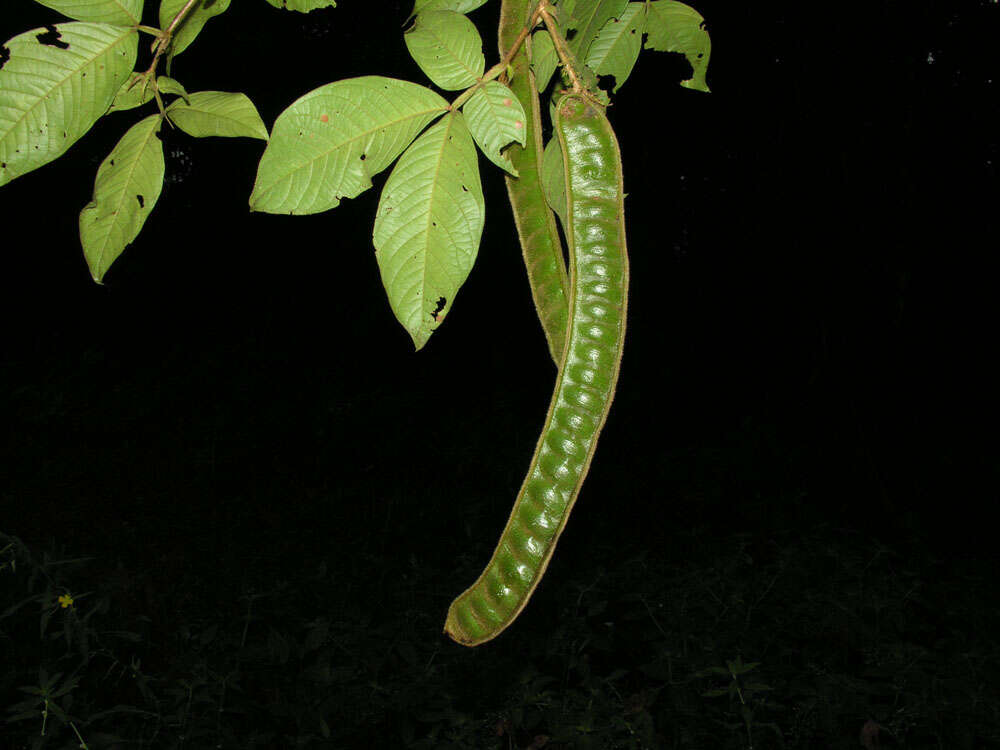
(497, 70)
(179, 17)
(566, 57)
(165, 36)
(83, 744)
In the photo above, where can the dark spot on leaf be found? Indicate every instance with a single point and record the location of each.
(111, 163)
(142, 201)
(441, 302)
(465, 189)
(364, 156)
(3, 165)
(51, 38)
(4, 56)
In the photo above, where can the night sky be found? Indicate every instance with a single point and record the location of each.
(811, 318)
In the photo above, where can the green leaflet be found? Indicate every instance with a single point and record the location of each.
(496, 119)
(617, 46)
(55, 86)
(428, 226)
(544, 59)
(168, 85)
(459, 6)
(131, 94)
(676, 27)
(541, 247)
(588, 18)
(208, 113)
(329, 143)
(127, 187)
(447, 47)
(119, 12)
(303, 6)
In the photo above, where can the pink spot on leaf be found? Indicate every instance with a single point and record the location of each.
(324, 118)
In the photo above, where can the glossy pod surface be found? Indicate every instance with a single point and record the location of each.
(588, 373)
(536, 225)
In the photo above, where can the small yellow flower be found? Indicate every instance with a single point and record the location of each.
(65, 601)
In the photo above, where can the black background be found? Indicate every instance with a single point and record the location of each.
(810, 326)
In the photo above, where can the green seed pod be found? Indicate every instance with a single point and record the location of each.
(585, 386)
(536, 226)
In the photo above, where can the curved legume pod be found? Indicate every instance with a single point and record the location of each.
(536, 225)
(588, 373)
